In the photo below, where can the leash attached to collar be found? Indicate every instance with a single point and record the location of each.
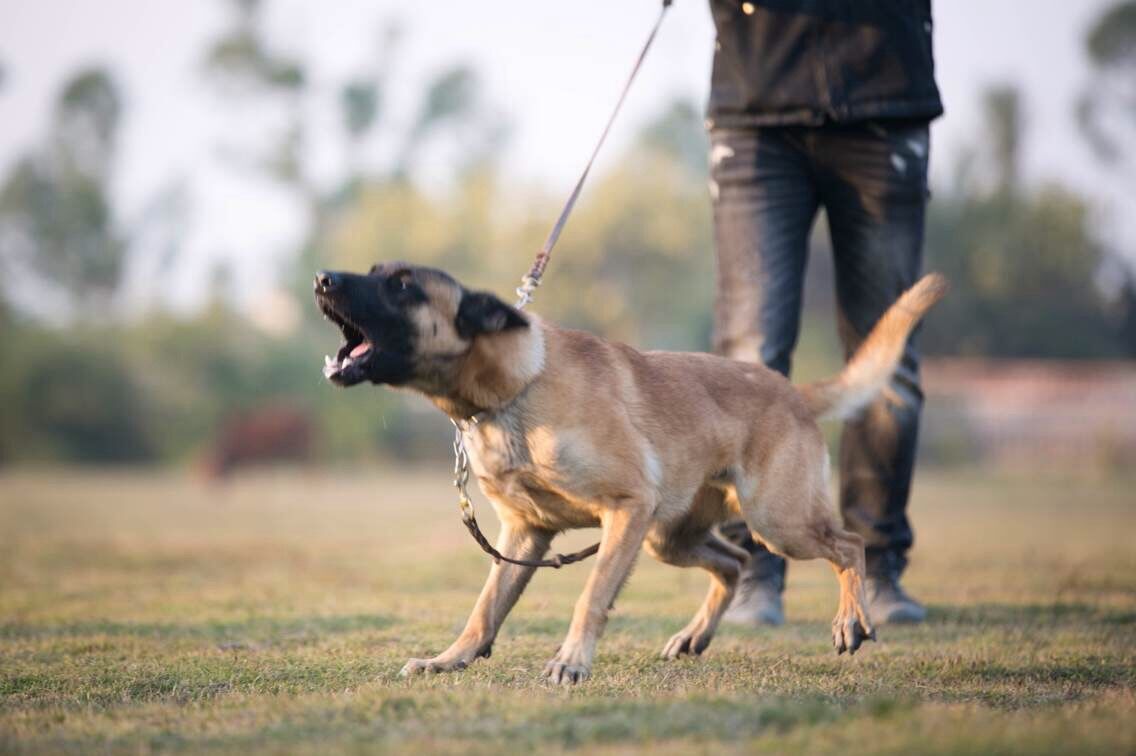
(525, 291)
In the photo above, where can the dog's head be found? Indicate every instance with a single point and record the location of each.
(406, 325)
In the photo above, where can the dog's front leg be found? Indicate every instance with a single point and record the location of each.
(623, 532)
(502, 589)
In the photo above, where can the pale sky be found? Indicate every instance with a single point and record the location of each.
(553, 67)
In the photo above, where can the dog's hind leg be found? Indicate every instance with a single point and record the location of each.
(723, 561)
(845, 552)
(793, 516)
(502, 589)
(851, 626)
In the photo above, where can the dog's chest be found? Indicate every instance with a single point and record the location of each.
(527, 474)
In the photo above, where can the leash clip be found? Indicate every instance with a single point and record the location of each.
(525, 291)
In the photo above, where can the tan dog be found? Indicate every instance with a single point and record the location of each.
(655, 448)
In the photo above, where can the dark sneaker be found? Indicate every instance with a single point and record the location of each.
(889, 603)
(757, 603)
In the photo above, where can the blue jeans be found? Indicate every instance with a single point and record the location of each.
(767, 184)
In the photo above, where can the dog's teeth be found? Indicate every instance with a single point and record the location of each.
(346, 361)
(327, 361)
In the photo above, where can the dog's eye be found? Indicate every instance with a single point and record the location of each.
(401, 281)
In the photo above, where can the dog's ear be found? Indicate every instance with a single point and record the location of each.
(481, 312)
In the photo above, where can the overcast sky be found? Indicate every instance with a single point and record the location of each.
(553, 67)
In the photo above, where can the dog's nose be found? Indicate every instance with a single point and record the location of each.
(326, 281)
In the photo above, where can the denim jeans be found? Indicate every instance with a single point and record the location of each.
(767, 184)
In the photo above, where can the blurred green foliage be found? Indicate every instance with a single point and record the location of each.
(1023, 271)
(1106, 111)
(58, 230)
(1023, 260)
(241, 57)
(66, 400)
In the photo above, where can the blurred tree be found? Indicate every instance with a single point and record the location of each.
(1023, 263)
(86, 122)
(242, 59)
(1107, 108)
(252, 75)
(1023, 273)
(1004, 121)
(1106, 114)
(70, 396)
(360, 102)
(452, 110)
(362, 99)
(58, 234)
(450, 96)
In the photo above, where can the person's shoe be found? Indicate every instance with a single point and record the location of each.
(888, 603)
(758, 603)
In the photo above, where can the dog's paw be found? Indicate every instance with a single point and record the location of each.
(563, 673)
(685, 642)
(848, 634)
(434, 666)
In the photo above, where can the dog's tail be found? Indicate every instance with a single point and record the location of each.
(873, 364)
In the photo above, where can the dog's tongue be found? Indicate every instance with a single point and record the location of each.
(361, 349)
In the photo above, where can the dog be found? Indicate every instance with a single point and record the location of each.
(655, 448)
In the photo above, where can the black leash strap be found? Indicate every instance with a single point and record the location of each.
(556, 562)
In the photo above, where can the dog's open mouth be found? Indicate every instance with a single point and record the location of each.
(351, 358)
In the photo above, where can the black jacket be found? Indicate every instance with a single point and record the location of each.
(782, 62)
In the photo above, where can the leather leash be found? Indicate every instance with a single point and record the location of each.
(529, 282)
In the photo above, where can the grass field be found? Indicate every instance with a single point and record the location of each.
(145, 612)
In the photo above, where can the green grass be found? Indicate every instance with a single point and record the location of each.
(145, 612)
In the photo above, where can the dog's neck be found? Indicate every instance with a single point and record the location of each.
(498, 367)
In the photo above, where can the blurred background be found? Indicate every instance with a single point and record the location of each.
(171, 175)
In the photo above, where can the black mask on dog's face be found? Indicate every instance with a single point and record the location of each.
(404, 324)
(372, 312)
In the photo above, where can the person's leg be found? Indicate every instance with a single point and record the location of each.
(873, 184)
(764, 205)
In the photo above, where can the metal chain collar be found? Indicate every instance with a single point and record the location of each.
(461, 471)
(461, 456)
